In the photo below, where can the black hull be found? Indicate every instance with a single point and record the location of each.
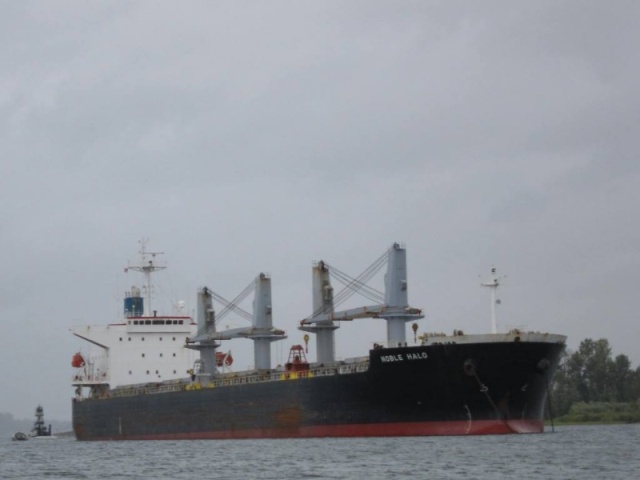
(449, 389)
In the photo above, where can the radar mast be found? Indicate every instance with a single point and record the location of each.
(147, 266)
(493, 284)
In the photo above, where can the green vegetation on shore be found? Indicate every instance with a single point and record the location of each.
(590, 386)
(601, 412)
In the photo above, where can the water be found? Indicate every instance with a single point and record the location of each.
(576, 452)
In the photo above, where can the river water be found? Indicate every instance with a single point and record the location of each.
(571, 452)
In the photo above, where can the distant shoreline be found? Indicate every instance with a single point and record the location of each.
(562, 423)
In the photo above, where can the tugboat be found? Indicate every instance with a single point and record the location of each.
(39, 430)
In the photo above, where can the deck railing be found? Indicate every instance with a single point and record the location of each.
(233, 379)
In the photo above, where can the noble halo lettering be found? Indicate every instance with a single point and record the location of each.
(401, 357)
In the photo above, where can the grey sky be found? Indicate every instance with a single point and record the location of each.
(259, 136)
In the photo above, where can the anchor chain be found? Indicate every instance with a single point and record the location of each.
(470, 369)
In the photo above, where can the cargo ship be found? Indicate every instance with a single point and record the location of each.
(163, 376)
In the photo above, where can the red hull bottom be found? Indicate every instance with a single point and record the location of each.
(478, 427)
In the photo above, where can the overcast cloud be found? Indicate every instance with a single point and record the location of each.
(243, 137)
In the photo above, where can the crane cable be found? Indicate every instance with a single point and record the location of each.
(353, 285)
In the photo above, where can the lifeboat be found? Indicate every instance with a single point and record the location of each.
(224, 359)
(77, 361)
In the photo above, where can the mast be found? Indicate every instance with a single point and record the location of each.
(203, 341)
(322, 304)
(396, 297)
(493, 284)
(147, 267)
(262, 332)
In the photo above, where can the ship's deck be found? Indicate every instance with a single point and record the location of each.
(346, 367)
(354, 365)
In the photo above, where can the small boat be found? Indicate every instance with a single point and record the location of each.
(19, 437)
(39, 430)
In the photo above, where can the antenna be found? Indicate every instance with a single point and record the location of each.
(147, 267)
(493, 284)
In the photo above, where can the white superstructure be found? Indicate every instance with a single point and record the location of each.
(144, 347)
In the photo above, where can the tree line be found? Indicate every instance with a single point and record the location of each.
(590, 385)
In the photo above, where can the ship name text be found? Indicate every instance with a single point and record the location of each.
(399, 357)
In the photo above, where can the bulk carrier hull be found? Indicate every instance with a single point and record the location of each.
(453, 385)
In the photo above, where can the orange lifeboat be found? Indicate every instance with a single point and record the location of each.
(224, 359)
(77, 361)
